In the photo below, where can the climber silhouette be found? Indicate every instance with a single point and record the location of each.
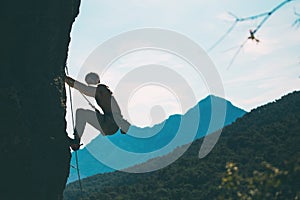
(108, 122)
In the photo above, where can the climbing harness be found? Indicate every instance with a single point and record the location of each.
(73, 123)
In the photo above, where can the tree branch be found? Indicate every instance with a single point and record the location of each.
(265, 15)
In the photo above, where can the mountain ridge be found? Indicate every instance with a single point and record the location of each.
(159, 136)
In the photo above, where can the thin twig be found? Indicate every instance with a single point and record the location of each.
(295, 12)
(222, 37)
(236, 54)
(250, 17)
(237, 19)
(266, 16)
(297, 21)
(269, 14)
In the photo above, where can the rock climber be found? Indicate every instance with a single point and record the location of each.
(108, 122)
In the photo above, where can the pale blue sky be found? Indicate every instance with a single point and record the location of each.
(261, 73)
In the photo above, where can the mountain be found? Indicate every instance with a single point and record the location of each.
(150, 142)
(268, 134)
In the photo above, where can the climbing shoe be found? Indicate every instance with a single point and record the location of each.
(124, 126)
(75, 143)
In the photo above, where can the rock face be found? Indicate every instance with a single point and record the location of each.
(34, 43)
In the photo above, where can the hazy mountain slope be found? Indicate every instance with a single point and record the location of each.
(160, 135)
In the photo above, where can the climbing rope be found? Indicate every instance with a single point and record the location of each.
(73, 123)
(89, 102)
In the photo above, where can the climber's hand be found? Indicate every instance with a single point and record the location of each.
(70, 81)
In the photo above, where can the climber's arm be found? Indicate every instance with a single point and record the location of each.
(85, 89)
(81, 87)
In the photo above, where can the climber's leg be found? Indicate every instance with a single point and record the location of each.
(86, 116)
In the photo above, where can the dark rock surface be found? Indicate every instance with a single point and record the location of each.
(34, 44)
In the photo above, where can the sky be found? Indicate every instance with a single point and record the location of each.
(261, 72)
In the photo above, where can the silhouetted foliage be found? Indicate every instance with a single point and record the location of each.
(268, 183)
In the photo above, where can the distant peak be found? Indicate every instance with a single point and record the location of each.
(211, 97)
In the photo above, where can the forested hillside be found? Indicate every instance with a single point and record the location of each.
(258, 156)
